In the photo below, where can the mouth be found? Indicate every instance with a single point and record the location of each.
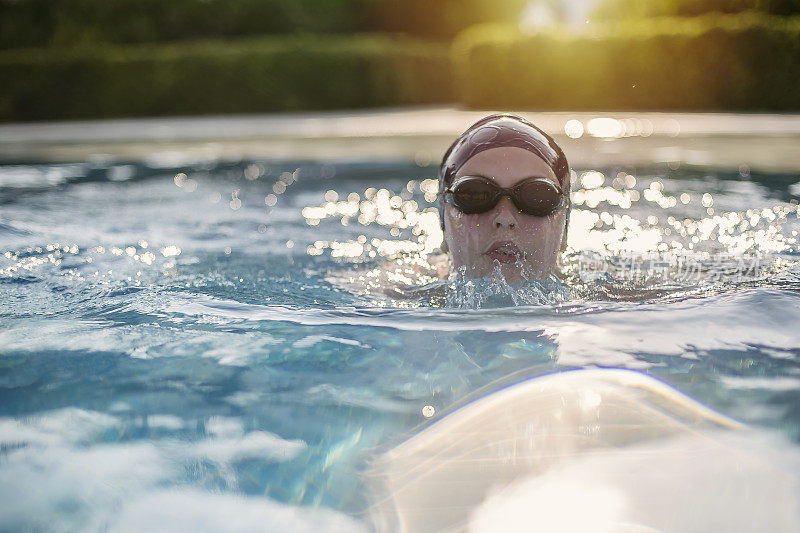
(504, 252)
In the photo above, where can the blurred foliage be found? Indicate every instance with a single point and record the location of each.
(73, 22)
(622, 9)
(713, 62)
(441, 19)
(29, 23)
(304, 72)
(319, 57)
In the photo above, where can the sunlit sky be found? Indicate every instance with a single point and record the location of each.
(578, 10)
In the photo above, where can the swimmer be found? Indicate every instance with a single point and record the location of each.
(504, 200)
(503, 206)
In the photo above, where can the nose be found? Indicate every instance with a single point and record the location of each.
(505, 214)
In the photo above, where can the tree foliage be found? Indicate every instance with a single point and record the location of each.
(279, 73)
(736, 62)
(30, 23)
(624, 9)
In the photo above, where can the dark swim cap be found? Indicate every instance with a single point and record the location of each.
(500, 131)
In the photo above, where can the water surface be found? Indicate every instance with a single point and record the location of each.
(223, 345)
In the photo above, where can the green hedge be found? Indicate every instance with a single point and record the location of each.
(623, 9)
(734, 62)
(440, 19)
(31, 23)
(268, 74)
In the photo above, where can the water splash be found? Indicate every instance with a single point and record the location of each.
(495, 291)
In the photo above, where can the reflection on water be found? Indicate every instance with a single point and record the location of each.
(241, 336)
(653, 235)
(601, 450)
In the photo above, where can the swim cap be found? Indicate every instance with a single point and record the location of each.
(499, 131)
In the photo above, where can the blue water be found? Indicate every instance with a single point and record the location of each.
(224, 345)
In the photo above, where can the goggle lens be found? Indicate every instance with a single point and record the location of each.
(534, 196)
(475, 196)
(537, 198)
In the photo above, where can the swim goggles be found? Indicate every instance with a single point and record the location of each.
(539, 197)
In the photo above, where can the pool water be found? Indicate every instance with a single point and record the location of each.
(210, 345)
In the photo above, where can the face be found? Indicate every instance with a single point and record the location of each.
(504, 241)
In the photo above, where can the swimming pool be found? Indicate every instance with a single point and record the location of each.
(219, 345)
